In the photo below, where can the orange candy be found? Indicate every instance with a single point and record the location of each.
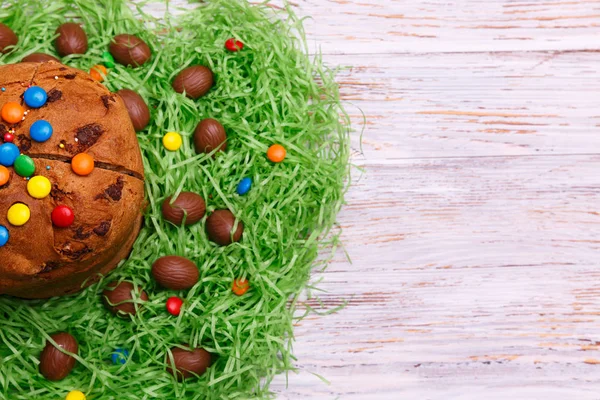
(4, 175)
(276, 153)
(12, 112)
(82, 164)
(98, 72)
(240, 286)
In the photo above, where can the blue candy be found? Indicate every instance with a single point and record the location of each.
(119, 356)
(40, 131)
(35, 97)
(3, 235)
(8, 154)
(244, 186)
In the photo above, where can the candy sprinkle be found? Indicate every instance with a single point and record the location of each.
(4, 175)
(62, 216)
(244, 186)
(75, 395)
(240, 286)
(8, 154)
(174, 305)
(18, 214)
(24, 166)
(172, 141)
(12, 112)
(276, 153)
(4, 235)
(82, 164)
(119, 356)
(39, 187)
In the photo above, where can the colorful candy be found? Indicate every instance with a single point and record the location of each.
(108, 60)
(240, 286)
(18, 214)
(12, 112)
(9, 137)
(98, 72)
(119, 356)
(82, 164)
(234, 45)
(39, 187)
(172, 141)
(35, 97)
(75, 395)
(62, 216)
(276, 153)
(24, 166)
(40, 131)
(244, 186)
(8, 154)
(174, 305)
(4, 175)
(4, 236)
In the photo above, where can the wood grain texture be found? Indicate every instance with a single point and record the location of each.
(474, 229)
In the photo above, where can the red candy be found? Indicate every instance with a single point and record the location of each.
(62, 217)
(174, 305)
(9, 137)
(233, 45)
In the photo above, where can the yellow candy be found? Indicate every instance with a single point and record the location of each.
(75, 395)
(172, 141)
(18, 214)
(39, 187)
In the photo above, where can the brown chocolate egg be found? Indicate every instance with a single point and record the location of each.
(210, 135)
(71, 40)
(39, 58)
(219, 225)
(130, 50)
(118, 298)
(195, 81)
(54, 364)
(7, 38)
(188, 363)
(175, 272)
(136, 107)
(188, 203)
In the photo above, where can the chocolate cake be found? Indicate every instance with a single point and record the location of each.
(40, 259)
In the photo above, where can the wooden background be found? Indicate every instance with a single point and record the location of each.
(474, 230)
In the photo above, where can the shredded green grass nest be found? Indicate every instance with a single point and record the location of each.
(271, 92)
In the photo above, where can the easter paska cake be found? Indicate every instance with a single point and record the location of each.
(41, 259)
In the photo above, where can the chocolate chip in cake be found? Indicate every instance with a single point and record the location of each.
(88, 135)
(53, 95)
(24, 143)
(103, 228)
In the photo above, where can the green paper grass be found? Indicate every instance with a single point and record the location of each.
(270, 92)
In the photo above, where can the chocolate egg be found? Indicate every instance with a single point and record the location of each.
(39, 58)
(54, 364)
(175, 272)
(118, 298)
(71, 40)
(219, 225)
(188, 203)
(210, 135)
(130, 50)
(7, 38)
(188, 363)
(195, 81)
(136, 107)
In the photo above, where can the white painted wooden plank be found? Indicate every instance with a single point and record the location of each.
(471, 278)
(440, 105)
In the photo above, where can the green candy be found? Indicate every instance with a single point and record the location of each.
(24, 166)
(109, 61)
